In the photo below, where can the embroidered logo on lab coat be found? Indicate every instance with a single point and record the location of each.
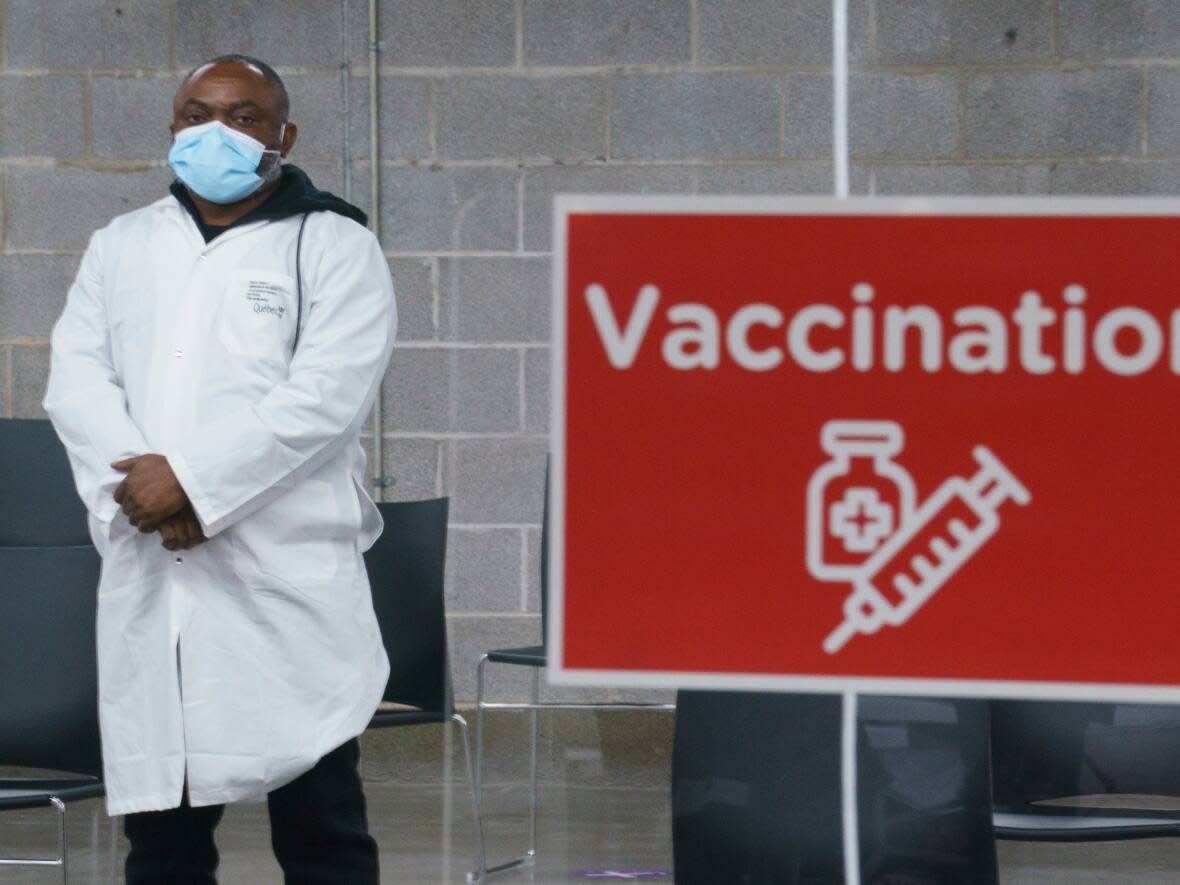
(257, 314)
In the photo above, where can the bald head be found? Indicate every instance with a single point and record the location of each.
(241, 92)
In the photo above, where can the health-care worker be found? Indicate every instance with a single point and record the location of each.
(216, 358)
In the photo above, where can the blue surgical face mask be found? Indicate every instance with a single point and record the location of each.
(217, 162)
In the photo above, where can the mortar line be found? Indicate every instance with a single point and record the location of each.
(524, 570)
(435, 296)
(1144, 110)
(520, 213)
(520, 391)
(606, 117)
(518, 10)
(782, 116)
(172, 60)
(88, 117)
(961, 138)
(431, 121)
(1054, 24)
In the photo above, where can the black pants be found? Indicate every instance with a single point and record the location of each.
(318, 829)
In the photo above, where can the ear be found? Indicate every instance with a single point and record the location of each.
(290, 134)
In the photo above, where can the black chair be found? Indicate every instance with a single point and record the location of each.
(406, 567)
(49, 682)
(756, 787)
(1104, 756)
(41, 505)
(535, 657)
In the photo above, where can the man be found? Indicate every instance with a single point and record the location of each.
(216, 358)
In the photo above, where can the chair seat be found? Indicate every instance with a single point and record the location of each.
(1037, 827)
(18, 793)
(391, 718)
(528, 656)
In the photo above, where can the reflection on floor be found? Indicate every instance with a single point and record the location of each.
(605, 804)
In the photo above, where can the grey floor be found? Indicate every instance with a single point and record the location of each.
(605, 806)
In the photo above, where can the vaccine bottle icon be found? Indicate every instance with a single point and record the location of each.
(858, 499)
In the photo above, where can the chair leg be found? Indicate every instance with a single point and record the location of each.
(481, 862)
(532, 849)
(62, 848)
(479, 676)
(114, 850)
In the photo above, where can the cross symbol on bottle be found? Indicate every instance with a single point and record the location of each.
(861, 520)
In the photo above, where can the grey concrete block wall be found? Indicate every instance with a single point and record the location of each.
(490, 107)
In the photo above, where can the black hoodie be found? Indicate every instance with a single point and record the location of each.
(295, 195)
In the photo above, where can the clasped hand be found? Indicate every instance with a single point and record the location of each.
(154, 500)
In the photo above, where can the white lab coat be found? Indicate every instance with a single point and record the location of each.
(241, 662)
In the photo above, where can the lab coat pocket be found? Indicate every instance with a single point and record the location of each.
(258, 318)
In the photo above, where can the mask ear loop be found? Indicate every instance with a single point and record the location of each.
(298, 282)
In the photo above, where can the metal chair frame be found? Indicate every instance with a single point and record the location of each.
(534, 706)
(62, 859)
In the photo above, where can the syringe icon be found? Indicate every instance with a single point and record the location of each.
(943, 534)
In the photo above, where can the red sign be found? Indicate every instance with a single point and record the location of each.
(898, 445)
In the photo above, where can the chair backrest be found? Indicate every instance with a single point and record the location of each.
(41, 505)
(406, 567)
(1051, 750)
(48, 670)
(756, 790)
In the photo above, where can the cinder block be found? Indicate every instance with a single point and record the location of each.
(1101, 29)
(471, 636)
(532, 562)
(695, 116)
(87, 34)
(448, 33)
(437, 390)
(541, 183)
(963, 31)
(404, 117)
(956, 179)
(317, 107)
(33, 292)
(440, 210)
(30, 371)
(58, 208)
(606, 32)
(778, 32)
(1116, 178)
(496, 480)
(413, 285)
(792, 178)
(280, 34)
(412, 464)
(1163, 113)
(890, 115)
(483, 570)
(557, 118)
(537, 362)
(42, 116)
(494, 299)
(1053, 113)
(485, 392)
(130, 116)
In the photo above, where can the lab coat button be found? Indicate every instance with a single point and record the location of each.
(178, 353)
(179, 560)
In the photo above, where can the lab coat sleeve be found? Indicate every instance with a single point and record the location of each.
(244, 460)
(84, 399)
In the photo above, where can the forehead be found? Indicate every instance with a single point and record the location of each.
(225, 84)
